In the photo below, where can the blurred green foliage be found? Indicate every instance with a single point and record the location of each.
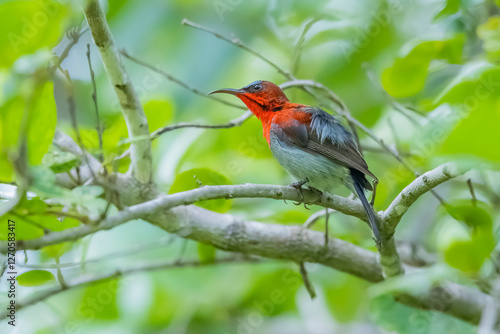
(439, 58)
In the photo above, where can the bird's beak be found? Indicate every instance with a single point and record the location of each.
(228, 91)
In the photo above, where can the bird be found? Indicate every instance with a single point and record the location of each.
(309, 143)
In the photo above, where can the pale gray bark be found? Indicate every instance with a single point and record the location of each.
(132, 110)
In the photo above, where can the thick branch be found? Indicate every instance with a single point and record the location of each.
(292, 243)
(133, 113)
(297, 244)
(163, 203)
(414, 190)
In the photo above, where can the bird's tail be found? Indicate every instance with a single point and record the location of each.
(359, 181)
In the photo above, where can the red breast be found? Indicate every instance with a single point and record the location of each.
(285, 117)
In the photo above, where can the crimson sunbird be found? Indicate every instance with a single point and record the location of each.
(309, 143)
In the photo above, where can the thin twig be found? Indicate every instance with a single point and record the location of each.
(182, 251)
(179, 82)
(73, 36)
(237, 42)
(81, 282)
(307, 282)
(60, 276)
(70, 97)
(394, 134)
(472, 193)
(96, 106)
(165, 241)
(300, 43)
(231, 124)
(82, 218)
(315, 217)
(396, 105)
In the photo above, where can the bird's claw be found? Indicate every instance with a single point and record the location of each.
(317, 191)
(298, 185)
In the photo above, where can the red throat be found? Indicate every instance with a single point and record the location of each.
(278, 112)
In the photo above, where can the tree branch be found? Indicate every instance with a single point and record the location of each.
(231, 124)
(297, 244)
(163, 203)
(86, 281)
(132, 110)
(414, 190)
(293, 243)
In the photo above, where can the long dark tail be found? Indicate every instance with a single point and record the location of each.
(360, 184)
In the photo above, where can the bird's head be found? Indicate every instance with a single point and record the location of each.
(259, 96)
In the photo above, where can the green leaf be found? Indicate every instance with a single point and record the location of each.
(475, 102)
(6, 167)
(469, 255)
(345, 297)
(42, 124)
(28, 26)
(406, 77)
(85, 193)
(44, 183)
(452, 7)
(33, 211)
(206, 253)
(162, 309)
(59, 161)
(31, 206)
(42, 118)
(56, 251)
(194, 178)
(35, 278)
(274, 293)
(158, 112)
(478, 216)
(332, 34)
(24, 229)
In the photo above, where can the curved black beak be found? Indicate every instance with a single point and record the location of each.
(231, 91)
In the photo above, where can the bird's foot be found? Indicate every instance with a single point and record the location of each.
(317, 191)
(298, 185)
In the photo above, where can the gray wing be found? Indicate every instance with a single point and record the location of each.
(326, 136)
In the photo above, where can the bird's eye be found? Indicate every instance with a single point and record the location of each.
(256, 88)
